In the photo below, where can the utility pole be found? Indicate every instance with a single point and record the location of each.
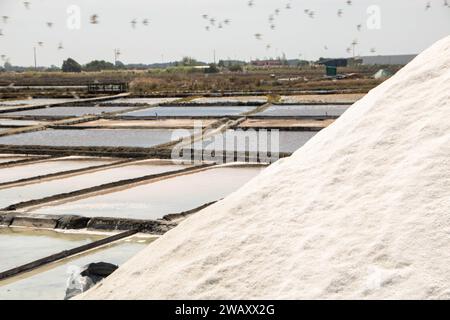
(116, 55)
(35, 59)
(354, 43)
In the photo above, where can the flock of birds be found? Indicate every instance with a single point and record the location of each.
(309, 13)
(215, 23)
(93, 19)
(312, 14)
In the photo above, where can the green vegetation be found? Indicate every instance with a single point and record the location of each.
(212, 69)
(98, 65)
(70, 65)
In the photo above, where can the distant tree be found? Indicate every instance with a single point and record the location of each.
(98, 65)
(212, 68)
(235, 68)
(70, 65)
(8, 66)
(188, 62)
(53, 68)
(120, 65)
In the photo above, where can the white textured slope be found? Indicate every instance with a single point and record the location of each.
(361, 211)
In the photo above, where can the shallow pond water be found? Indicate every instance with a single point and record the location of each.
(48, 167)
(256, 141)
(66, 111)
(63, 185)
(143, 138)
(154, 200)
(50, 282)
(236, 99)
(303, 110)
(139, 101)
(19, 246)
(37, 101)
(190, 111)
(18, 123)
(10, 159)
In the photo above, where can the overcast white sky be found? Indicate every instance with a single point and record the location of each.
(176, 29)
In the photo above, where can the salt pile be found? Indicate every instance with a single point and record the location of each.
(361, 211)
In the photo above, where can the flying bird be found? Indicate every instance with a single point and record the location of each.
(340, 12)
(133, 23)
(311, 14)
(428, 6)
(5, 19)
(272, 26)
(205, 16)
(94, 19)
(40, 43)
(145, 22)
(358, 27)
(226, 21)
(349, 2)
(251, 3)
(288, 6)
(60, 46)
(277, 11)
(1, 32)
(207, 28)
(258, 36)
(26, 4)
(49, 24)
(373, 50)
(212, 21)
(268, 47)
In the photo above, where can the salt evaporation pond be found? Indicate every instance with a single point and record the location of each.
(37, 101)
(10, 159)
(140, 138)
(48, 167)
(154, 200)
(73, 111)
(19, 123)
(253, 140)
(50, 282)
(138, 101)
(19, 246)
(44, 189)
(236, 99)
(304, 110)
(200, 111)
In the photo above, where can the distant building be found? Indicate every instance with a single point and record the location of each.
(387, 60)
(339, 62)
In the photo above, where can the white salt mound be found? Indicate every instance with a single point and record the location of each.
(361, 211)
